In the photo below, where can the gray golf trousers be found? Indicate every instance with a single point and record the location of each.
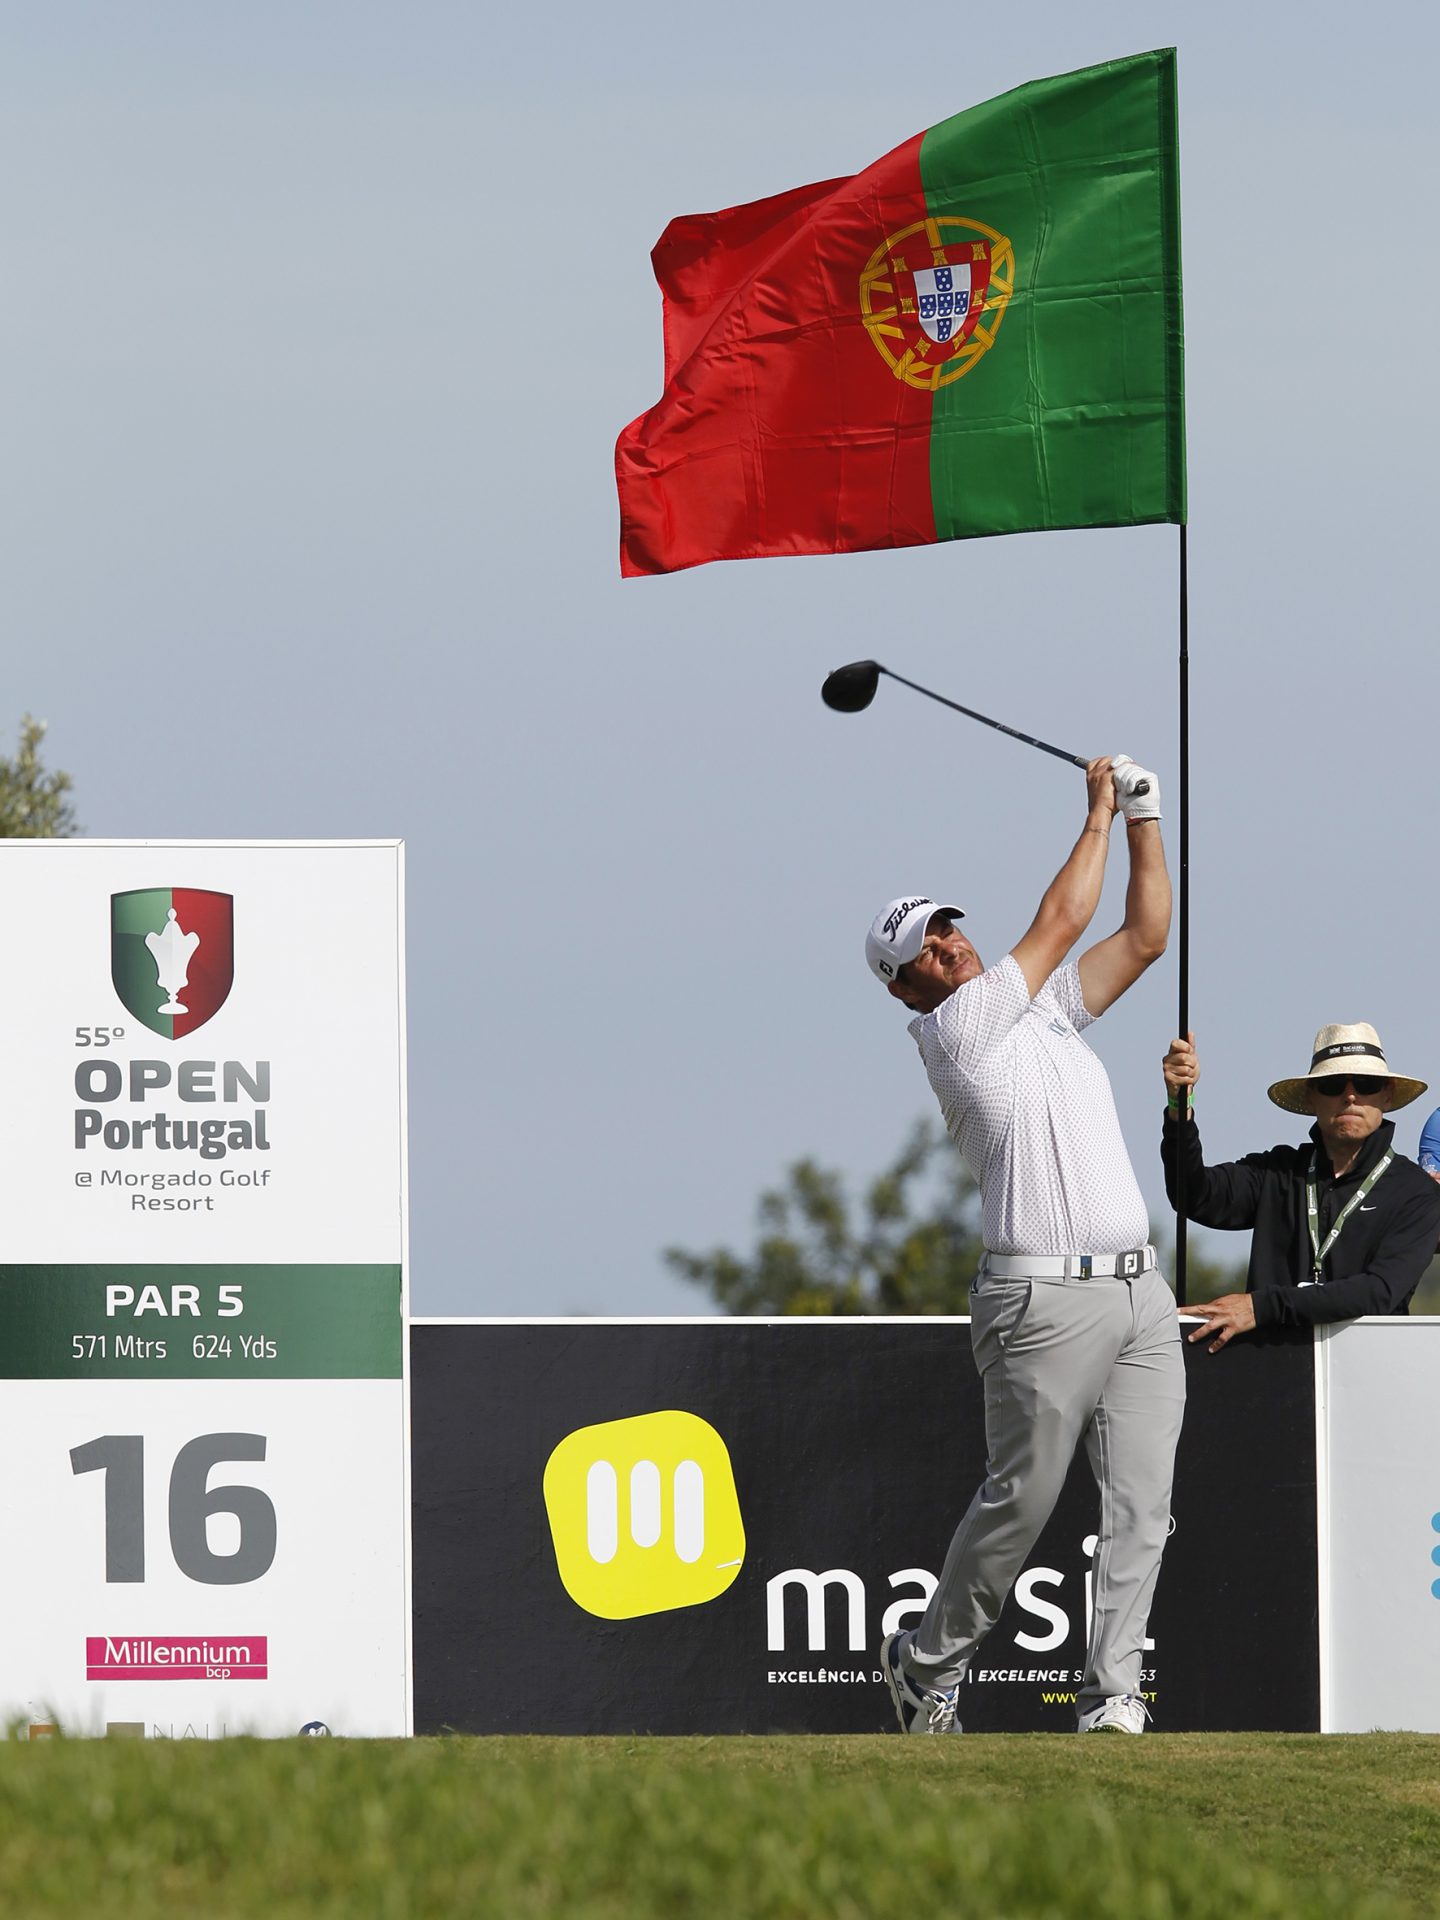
(1062, 1360)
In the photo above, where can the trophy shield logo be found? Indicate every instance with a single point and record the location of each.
(172, 955)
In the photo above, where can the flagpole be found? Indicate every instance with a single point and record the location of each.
(1184, 860)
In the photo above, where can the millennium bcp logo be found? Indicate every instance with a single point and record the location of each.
(933, 295)
(644, 1515)
(172, 955)
(176, 1657)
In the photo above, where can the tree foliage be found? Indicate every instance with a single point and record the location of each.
(910, 1246)
(33, 803)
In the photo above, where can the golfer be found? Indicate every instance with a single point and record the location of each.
(1343, 1225)
(1073, 1329)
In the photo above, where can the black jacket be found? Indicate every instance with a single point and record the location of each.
(1383, 1249)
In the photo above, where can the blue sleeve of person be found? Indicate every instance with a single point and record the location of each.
(1430, 1143)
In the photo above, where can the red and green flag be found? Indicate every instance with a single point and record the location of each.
(979, 334)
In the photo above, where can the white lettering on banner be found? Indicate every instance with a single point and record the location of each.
(1029, 1599)
(813, 1586)
(1025, 1593)
(823, 1677)
(183, 1299)
(902, 1613)
(1046, 1675)
(908, 1611)
(159, 1653)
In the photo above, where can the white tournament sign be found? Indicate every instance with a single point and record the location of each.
(202, 1269)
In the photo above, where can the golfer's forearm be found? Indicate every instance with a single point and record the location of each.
(1147, 898)
(1067, 907)
(1073, 895)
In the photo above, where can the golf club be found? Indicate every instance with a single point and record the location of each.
(851, 689)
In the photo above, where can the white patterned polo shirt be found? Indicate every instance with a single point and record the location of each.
(1030, 1108)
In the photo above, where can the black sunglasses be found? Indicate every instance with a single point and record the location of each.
(1335, 1084)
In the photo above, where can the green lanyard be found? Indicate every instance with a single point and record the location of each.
(1312, 1206)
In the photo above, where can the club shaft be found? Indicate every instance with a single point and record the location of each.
(1075, 759)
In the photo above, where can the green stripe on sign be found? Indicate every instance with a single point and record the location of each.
(182, 1323)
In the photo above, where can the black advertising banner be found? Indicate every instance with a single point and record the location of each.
(709, 1527)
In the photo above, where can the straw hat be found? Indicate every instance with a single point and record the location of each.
(1340, 1051)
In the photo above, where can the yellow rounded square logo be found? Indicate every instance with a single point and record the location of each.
(644, 1515)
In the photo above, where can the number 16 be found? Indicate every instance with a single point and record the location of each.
(121, 1457)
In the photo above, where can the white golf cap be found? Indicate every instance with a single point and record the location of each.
(897, 933)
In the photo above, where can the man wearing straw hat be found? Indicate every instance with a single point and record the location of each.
(1343, 1225)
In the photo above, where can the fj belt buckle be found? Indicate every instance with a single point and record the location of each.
(1128, 1265)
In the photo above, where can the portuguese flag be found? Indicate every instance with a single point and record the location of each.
(979, 334)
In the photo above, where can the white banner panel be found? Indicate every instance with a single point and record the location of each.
(202, 1397)
(1380, 1650)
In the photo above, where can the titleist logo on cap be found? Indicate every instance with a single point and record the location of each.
(898, 917)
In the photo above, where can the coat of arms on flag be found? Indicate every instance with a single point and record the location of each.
(942, 297)
(955, 301)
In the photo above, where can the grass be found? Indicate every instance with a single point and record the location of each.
(1169, 1827)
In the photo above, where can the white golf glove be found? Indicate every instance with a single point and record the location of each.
(1135, 806)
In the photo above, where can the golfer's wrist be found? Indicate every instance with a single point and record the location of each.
(1174, 1107)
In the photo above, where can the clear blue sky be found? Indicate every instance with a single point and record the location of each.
(320, 323)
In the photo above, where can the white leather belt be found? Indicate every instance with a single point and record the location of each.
(1069, 1266)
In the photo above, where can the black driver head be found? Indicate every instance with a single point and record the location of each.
(851, 689)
